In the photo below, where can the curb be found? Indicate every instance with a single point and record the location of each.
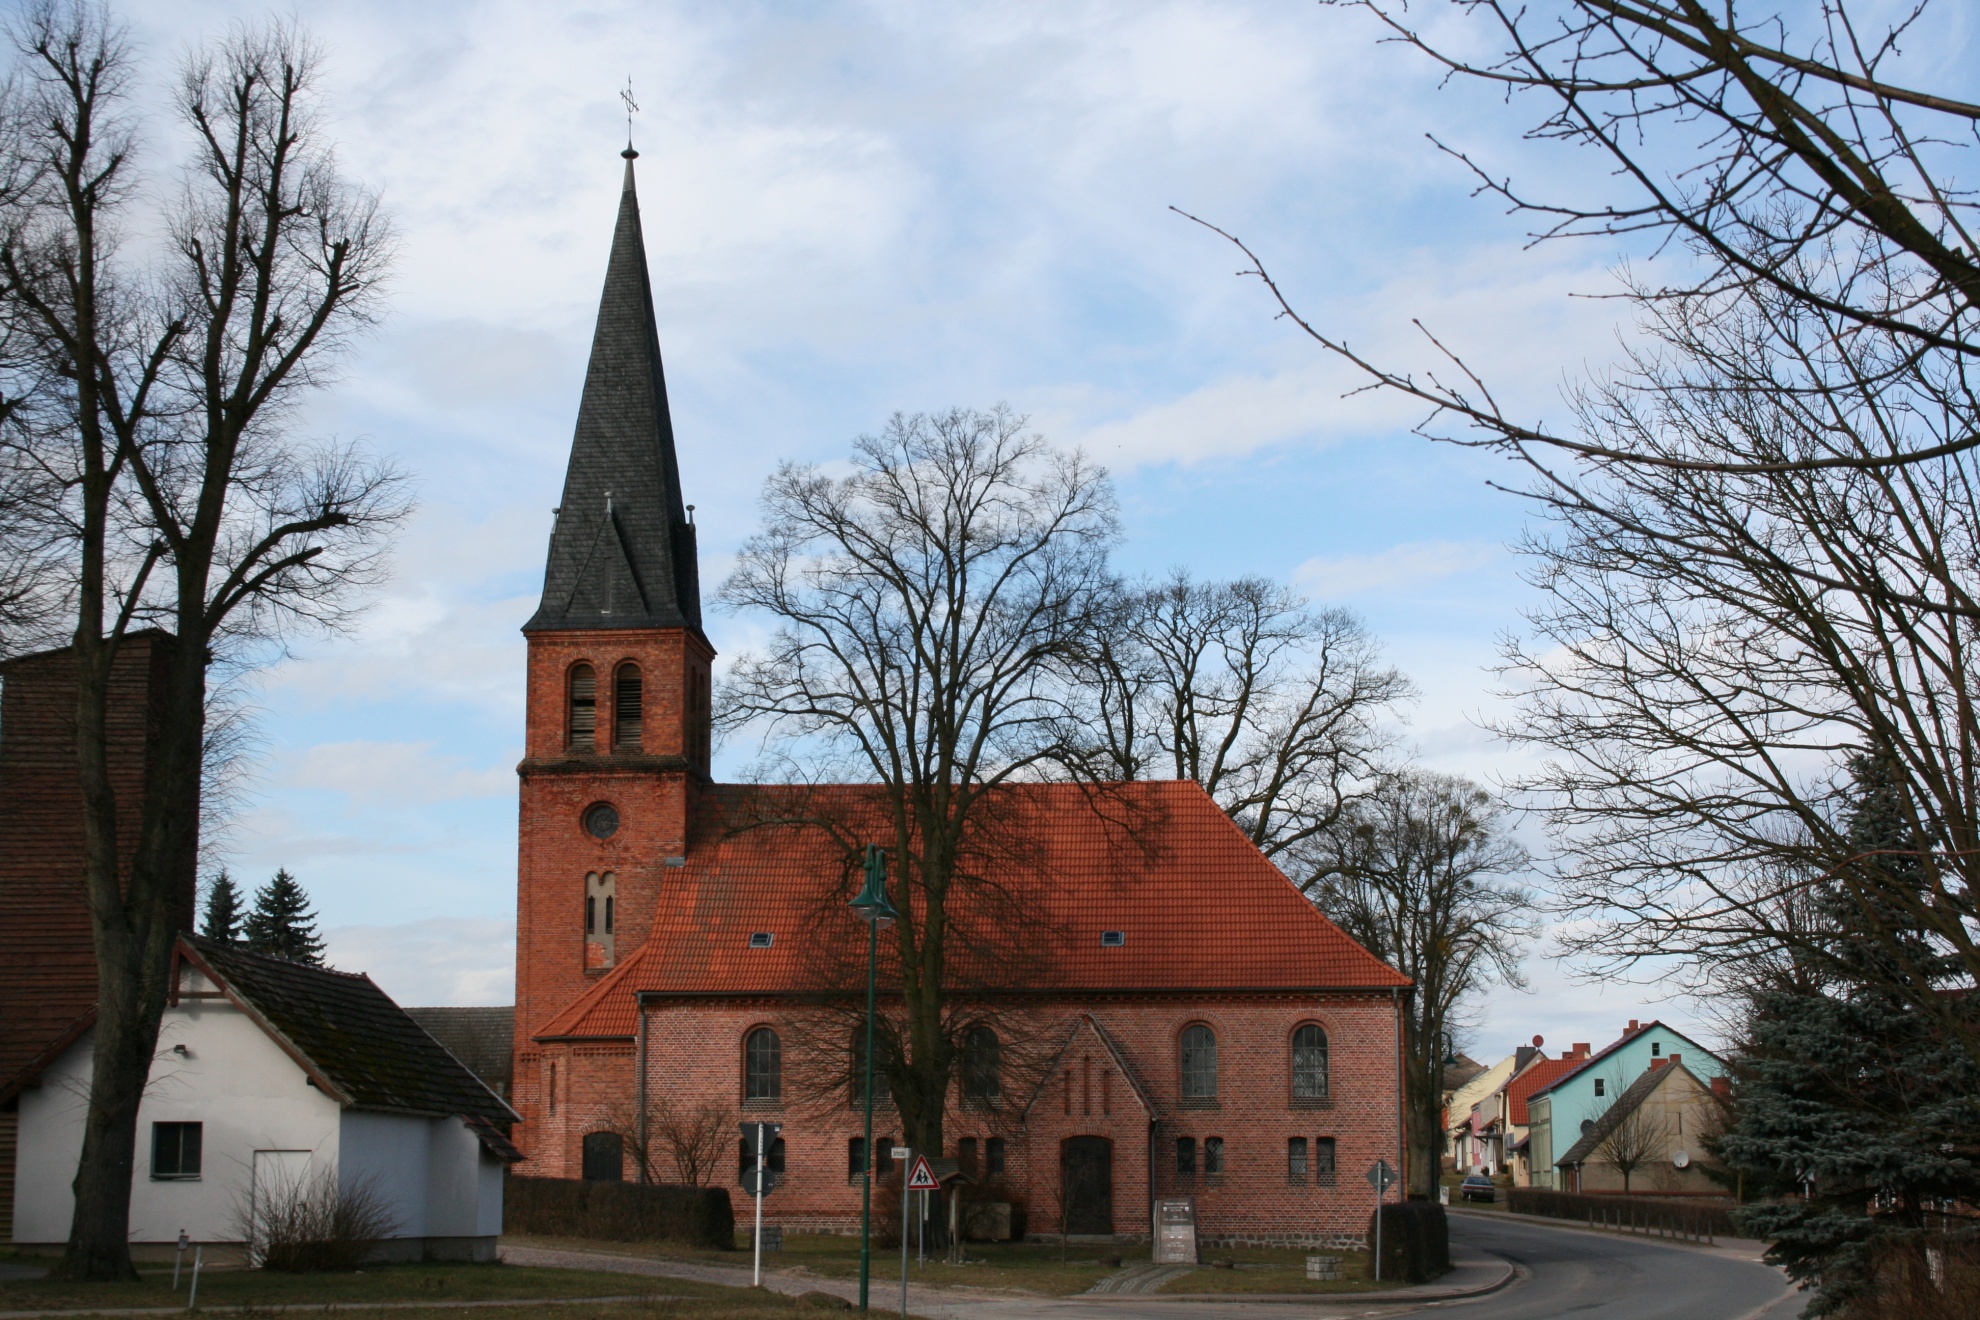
(315, 1308)
(1402, 1296)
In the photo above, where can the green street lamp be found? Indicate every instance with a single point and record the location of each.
(873, 908)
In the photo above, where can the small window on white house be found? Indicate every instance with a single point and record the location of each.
(1656, 1048)
(175, 1152)
(1599, 1091)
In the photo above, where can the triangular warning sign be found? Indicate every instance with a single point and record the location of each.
(921, 1178)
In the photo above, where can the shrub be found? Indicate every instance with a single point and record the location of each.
(315, 1224)
(620, 1212)
(1416, 1243)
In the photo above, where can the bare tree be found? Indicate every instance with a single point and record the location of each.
(1760, 153)
(929, 607)
(1278, 710)
(154, 413)
(1635, 1136)
(1419, 874)
(689, 1141)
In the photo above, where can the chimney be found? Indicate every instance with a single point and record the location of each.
(1580, 1050)
(1722, 1087)
(1677, 1058)
(1655, 1064)
(1631, 1029)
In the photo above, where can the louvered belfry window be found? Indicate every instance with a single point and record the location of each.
(626, 691)
(584, 708)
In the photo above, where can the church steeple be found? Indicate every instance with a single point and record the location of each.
(622, 553)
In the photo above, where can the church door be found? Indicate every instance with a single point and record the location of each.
(604, 1157)
(1086, 1172)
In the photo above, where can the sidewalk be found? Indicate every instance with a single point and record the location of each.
(1473, 1274)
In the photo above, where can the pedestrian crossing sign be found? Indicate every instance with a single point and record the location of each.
(921, 1178)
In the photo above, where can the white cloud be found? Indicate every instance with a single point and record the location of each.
(405, 773)
(441, 961)
(1398, 569)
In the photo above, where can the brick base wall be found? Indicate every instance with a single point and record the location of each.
(695, 1057)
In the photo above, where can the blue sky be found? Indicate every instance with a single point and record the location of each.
(855, 208)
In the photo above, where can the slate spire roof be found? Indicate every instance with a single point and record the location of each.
(622, 551)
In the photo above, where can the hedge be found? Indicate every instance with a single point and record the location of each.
(1687, 1217)
(619, 1212)
(1416, 1242)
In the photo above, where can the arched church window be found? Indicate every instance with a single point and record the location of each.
(982, 1070)
(626, 692)
(763, 1067)
(601, 918)
(584, 708)
(1309, 1062)
(1199, 1063)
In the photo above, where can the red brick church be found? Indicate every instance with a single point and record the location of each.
(1192, 1025)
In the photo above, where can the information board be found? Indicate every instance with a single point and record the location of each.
(1175, 1231)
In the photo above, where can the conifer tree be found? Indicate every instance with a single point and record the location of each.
(223, 911)
(282, 923)
(1857, 1112)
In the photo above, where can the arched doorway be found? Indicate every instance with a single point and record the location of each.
(1086, 1181)
(604, 1157)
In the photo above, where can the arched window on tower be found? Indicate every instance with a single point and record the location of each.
(584, 708)
(626, 693)
(601, 894)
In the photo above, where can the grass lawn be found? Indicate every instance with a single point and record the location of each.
(1024, 1267)
(381, 1283)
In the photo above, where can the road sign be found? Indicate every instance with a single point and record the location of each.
(770, 1133)
(921, 1178)
(1380, 1176)
(772, 1180)
(902, 1152)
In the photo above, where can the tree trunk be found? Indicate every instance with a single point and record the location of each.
(135, 923)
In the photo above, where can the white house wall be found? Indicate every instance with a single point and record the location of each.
(244, 1090)
(389, 1153)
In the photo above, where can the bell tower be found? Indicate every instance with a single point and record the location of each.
(618, 717)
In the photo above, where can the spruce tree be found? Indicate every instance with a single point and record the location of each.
(1857, 1113)
(282, 923)
(223, 911)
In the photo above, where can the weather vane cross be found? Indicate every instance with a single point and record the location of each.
(632, 108)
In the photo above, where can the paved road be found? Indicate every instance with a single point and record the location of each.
(1566, 1273)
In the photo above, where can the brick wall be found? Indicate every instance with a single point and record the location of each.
(694, 1055)
(47, 955)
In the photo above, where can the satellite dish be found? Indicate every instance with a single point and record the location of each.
(1680, 1158)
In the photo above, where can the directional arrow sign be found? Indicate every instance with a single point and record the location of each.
(1380, 1176)
(921, 1178)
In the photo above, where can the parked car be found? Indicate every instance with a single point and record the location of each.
(1477, 1187)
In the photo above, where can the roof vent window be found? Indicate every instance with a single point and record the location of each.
(1112, 939)
(761, 939)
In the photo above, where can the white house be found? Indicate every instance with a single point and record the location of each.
(270, 1073)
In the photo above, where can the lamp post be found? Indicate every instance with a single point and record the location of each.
(873, 908)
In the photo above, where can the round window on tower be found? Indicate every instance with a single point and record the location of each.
(601, 821)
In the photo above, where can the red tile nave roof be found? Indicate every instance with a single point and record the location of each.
(1198, 907)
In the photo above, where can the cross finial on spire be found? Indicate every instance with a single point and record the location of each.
(632, 108)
